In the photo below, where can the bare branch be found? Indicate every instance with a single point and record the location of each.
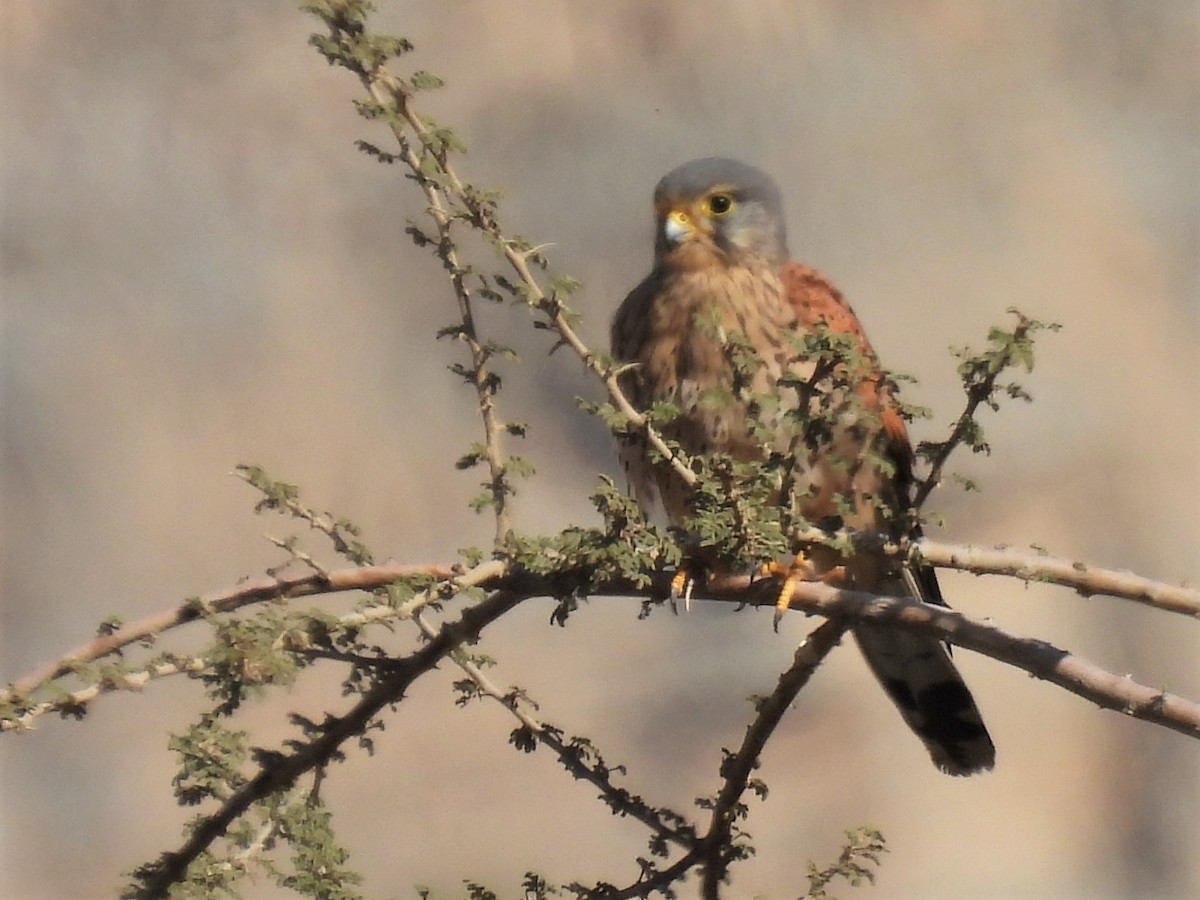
(1030, 565)
(1038, 658)
(1086, 579)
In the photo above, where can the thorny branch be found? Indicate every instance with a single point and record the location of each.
(1029, 566)
(717, 845)
(950, 626)
(980, 376)
(383, 87)
(572, 754)
(280, 773)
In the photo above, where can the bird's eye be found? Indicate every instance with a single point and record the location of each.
(719, 204)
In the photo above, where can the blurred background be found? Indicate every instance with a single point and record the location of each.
(199, 269)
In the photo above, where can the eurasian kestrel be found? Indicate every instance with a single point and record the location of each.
(721, 268)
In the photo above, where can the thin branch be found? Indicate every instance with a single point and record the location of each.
(282, 497)
(391, 94)
(712, 850)
(738, 768)
(359, 578)
(568, 336)
(385, 89)
(1084, 578)
(383, 85)
(281, 772)
(74, 701)
(979, 381)
(618, 799)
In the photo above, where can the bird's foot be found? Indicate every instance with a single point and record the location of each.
(800, 569)
(682, 584)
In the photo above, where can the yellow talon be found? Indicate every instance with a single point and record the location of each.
(800, 570)
(681, 586)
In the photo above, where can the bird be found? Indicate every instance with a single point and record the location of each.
(722, 268)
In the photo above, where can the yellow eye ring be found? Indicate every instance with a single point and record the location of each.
(719, 204)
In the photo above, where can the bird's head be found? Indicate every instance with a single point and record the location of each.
(722, 205)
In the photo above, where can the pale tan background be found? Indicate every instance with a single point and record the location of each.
(200, 270)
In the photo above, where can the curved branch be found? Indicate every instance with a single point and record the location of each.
(1084, 578)
(1119, 693)
(364, 578)
(1039, 658)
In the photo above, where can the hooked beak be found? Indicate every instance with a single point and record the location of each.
(678, 227)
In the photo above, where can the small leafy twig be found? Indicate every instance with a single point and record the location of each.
(664, 824)
(980, 374)
(284, 497)
(863, 845)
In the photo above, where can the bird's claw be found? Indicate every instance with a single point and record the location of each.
(799, 570)
(682, 584)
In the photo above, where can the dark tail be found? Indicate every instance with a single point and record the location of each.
(919, 676)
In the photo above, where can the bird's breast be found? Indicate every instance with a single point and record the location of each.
(698, 316)
(695, 319)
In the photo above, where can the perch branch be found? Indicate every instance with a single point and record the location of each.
(1034, 656)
